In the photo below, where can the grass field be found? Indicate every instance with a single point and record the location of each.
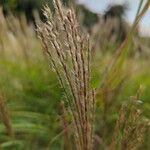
(35, 113)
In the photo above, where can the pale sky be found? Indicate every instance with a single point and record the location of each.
(99, 6)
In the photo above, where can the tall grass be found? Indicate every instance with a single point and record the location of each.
(40, 114)
(69, 51)
(5, 117)
(113, 75)
(130, 127)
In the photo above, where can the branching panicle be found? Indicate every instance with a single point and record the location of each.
(69, 52)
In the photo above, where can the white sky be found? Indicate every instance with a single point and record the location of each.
(100, 6)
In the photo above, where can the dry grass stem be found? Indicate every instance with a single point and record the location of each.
(4, 116)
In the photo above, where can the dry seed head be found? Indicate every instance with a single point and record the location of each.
(69, 52)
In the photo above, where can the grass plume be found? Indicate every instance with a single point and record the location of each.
(68, 50)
